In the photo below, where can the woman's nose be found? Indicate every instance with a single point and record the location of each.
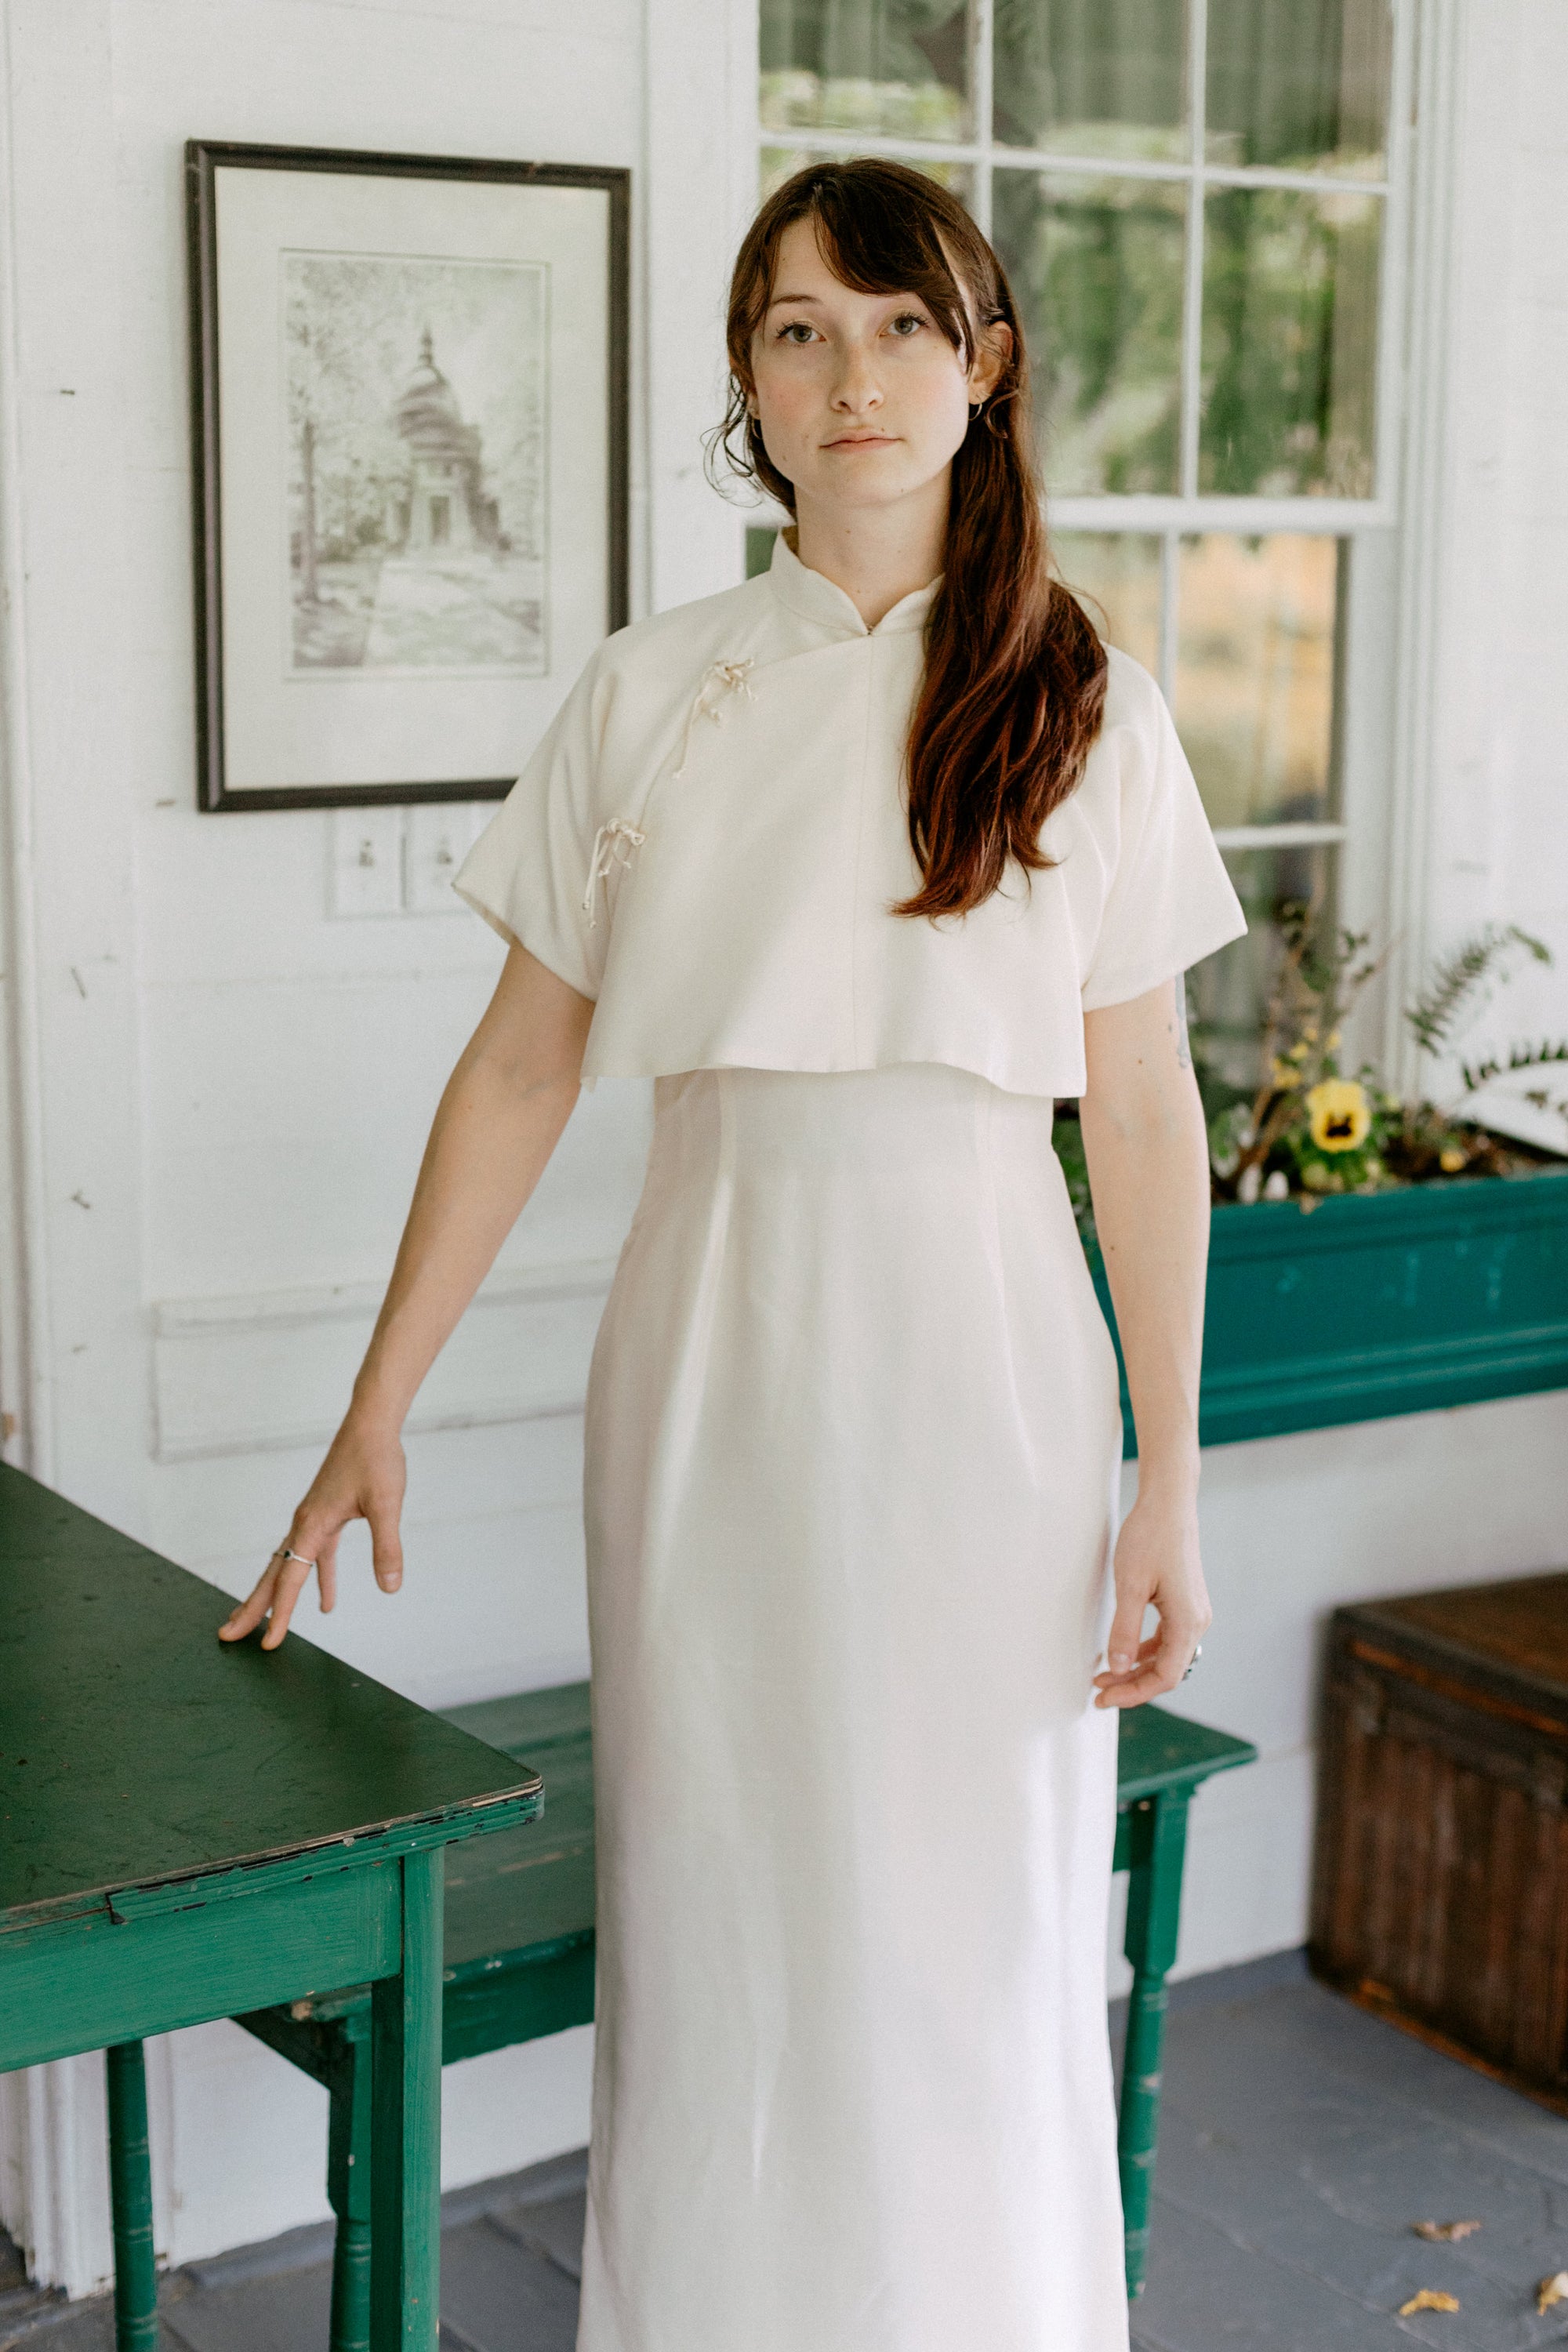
(857, 388)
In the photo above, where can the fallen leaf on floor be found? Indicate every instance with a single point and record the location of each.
(1552, 2290)
(1444, 2233)
(1430, 2298)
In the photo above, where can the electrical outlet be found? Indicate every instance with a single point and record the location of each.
(439, 835)
(367, 861)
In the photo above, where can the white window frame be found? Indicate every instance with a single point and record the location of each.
(1188, 512)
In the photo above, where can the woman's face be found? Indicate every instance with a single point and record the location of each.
(861, 399)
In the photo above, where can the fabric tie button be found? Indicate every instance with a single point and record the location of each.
(613, 844)
(719, 679)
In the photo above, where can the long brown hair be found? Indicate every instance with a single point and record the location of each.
(1015, 674)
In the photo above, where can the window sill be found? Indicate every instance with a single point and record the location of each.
(1436, 1295)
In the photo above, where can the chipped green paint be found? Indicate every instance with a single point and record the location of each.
(188, 1831)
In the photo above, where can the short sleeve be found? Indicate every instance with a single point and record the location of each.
(528, 871)
(1170, 901)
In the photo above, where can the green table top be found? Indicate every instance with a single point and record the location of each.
(136, 1749)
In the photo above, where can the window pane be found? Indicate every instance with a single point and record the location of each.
(894, 65)
(778, 162)
(1091, 77)
(1117, 575)
(1096, 266)
(1229, 993)
(1255, 675)
(1300, 84)
(1290, 343)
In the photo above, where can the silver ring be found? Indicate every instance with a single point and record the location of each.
(1197, 1653)
(283, 1552)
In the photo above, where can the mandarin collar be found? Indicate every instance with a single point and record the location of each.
(816, 598)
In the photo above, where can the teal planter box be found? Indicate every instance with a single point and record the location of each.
(1394, 1302)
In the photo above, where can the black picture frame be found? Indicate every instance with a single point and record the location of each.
(203, 160)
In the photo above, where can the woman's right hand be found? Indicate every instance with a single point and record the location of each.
(363, 1477)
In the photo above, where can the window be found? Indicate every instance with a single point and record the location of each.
(1193, 200)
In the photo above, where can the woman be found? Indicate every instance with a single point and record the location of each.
(863, 862)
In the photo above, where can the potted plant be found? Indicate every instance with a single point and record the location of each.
(1369, 1254)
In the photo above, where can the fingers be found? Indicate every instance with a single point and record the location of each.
(1134, 1690)
(282, 1583)
(1161, 1664)
(247, 1614)
(273, 1598)
(1123, 1647)
(385, 1541)
(287, 1586)
(1140, 1657)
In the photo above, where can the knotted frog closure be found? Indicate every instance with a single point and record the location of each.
(613, 845)
(721, 678)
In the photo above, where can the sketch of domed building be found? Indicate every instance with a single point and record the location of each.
(443, 503)
(417, 542)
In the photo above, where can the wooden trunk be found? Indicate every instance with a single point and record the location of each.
(1440, 1887)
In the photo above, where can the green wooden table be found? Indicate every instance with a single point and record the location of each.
(520, 1949)
(188, 1830)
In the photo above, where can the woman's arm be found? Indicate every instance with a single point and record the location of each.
(498, 1123)
(1147, 1152)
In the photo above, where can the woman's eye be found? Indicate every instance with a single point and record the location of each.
(907, 323)
(795, 331)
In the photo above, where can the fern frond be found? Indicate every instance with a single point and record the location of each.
(1438, 1012)
(1477, 1075)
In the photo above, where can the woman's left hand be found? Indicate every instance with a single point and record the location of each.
(1156, 1562)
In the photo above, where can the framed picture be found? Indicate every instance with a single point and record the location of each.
(409, 426)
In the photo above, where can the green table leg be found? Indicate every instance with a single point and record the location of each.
(130, 2194)
(405, 2124)
(1158, 1833)
(348, 2193)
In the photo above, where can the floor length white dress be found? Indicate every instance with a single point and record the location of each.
(852, 1431)
(852, 1444)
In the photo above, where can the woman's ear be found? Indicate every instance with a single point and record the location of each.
(990, 359)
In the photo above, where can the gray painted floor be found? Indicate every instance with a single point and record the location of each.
(1300, 2141)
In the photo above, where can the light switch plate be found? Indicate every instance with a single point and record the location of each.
(366, 861)
(439, 835)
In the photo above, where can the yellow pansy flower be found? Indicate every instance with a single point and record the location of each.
(1339, 1113)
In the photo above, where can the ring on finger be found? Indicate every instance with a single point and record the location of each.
(1192, 1662)
(283, 1552)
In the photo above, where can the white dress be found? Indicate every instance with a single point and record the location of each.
(853, 1439)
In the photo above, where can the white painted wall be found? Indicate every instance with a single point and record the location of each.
(215, 1095)
(223, 1092)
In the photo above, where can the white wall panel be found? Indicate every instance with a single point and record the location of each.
(271, 1372)
(286, 1118)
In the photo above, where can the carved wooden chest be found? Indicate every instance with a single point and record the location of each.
(1440, 1886)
